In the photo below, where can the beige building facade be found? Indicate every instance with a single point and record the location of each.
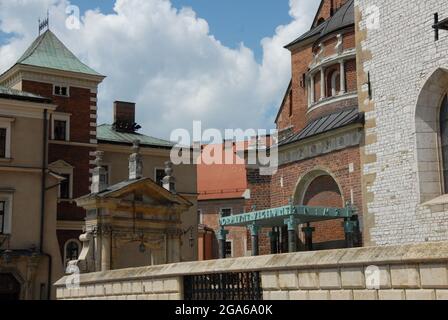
(29, 250)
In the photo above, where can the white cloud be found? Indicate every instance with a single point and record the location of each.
(167, 61)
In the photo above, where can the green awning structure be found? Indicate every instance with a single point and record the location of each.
(290, 216)
(276, 216)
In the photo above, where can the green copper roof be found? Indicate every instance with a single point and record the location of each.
(48, 51)
(106, 133)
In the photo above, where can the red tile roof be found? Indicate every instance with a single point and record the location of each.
(222, 181)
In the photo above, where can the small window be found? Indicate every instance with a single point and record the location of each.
(61, 91)
(72, 249)
(226, 212)
(64, 188)
(229, 253)
(160, 174)
(104, 177)
(2, 216)
(60, 130)
(2, 142)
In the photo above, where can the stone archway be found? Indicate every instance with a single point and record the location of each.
(427, 135)
(319, 188)
(10, 287)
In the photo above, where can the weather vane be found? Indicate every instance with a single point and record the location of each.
(45, 23)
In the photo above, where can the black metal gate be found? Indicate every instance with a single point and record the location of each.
(224, 286)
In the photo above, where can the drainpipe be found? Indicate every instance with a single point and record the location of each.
(42, 200)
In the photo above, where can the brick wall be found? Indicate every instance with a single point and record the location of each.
(210, 210)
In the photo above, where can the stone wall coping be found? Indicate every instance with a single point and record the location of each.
(434, 252)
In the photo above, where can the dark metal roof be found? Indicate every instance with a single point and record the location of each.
(7, 93)
(327, 123)
(343, 17)
(107, 134)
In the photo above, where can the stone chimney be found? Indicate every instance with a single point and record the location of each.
(98, 185)
(169, 182)
(124, 117)
(135, 162)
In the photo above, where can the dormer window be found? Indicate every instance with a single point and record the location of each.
(61, 91)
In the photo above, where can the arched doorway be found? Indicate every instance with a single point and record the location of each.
(9, 287)
(320, 189)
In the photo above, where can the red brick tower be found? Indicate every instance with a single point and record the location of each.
(49, 69)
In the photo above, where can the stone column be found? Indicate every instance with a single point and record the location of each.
(292, 223)
(254, 229)
(322, 84)
(222, 234)
(105, 250)
(342, 76)
(308, 231)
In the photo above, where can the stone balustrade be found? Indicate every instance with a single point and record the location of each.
(407, 272)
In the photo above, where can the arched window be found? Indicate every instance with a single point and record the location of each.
(444, 141)
(71, 251)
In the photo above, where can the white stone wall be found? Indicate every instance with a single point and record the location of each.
(401, 56)
(405, 272)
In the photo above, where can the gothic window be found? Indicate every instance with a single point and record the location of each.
(444, 140)
(72, 249)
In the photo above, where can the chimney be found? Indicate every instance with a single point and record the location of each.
(98, 185)
(169, 182)
(124, 117)
(135, 162)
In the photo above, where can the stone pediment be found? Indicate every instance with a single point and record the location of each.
(148, 192)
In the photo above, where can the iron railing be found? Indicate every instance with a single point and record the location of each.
(223, 286)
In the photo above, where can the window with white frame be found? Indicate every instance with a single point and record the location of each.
(60, 127)
(72, 249)
(60, 90)
(5, 213)
(5, 138)
(225, 212)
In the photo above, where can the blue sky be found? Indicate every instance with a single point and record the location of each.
(230, 21)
